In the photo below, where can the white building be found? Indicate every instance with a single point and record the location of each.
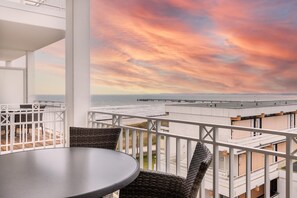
(28, 25)
(274, 115)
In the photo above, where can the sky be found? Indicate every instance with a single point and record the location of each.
(184, 46)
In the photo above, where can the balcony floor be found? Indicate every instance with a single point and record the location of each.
(19, 144)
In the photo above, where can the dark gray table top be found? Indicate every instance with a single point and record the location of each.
(65, 172)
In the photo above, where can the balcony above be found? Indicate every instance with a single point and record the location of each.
(28, 28)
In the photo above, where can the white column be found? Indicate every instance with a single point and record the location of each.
(77, 61)
(29, 78)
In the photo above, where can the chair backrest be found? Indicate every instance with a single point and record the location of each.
(94, 137)
(29, 108)
(199, 164)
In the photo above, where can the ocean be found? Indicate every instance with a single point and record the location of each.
(128, 104)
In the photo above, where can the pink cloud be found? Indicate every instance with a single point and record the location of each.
(190, 46)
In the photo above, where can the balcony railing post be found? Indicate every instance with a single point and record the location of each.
(216, 163)
(149, 144)
(141, 149)
(177, 156)
(189, 153)
(231, 173)
(202, 187)
(120, 120)
(289, 167)
(158, 146)
(65, 142)
(12, 131)
(93, 119)
(248, 174)
(134, 143)
(266, 176)
(127, 137)
(168, 154)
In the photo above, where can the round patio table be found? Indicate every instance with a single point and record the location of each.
(65, 172)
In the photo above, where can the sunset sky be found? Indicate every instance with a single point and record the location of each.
(184, 46)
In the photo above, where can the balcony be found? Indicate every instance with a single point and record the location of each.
(239, 169)
(41, 125)
(32, 126)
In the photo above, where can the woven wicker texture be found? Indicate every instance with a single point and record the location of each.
(156, 185)
(96, 138)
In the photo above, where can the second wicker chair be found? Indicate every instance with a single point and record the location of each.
(152, 184)
(106, 138)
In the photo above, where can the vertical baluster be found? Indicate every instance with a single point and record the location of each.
(178, 156)
(189, 153)
(121, 134)
(65, 134)
(231, 173)
(38, 121)
(248, 174)
(23, 127)
(202, 187)
(33, 127)
(127, 141)
(55, 130)
(215, 163)
(22, 134)
(113, 120)
(134, 143)
(141, 149)
(149, 145)
(12, 131)
(1, 132)
(121, 141)
(168, 154)
(289, 168)
(6, 130)
(44, 130)
(267, 180)
(158, 147)
(94, 118)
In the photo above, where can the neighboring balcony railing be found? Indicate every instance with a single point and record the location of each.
(32, 126)
(164, 150)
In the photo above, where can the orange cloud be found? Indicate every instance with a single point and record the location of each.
(154, 46)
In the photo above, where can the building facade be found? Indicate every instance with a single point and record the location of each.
(273, 115)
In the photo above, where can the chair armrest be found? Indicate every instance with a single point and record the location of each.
(154, 184)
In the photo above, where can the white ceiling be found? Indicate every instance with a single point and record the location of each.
(17, 38)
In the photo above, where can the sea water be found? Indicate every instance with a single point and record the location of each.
(128, 104)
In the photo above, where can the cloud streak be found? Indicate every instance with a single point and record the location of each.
(194, 46)
(186, 46)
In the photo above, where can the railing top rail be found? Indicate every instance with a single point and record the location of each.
(219, 143)
(273, 132)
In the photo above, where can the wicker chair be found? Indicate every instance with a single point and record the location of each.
(106, 138)
(93, 137)
(151, 184)
(26, 111)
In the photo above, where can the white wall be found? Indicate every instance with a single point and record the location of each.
(281, 183)
(11, 86)
(191, 114)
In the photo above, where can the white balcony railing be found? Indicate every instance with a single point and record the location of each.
(32, 126)
(165, 151)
